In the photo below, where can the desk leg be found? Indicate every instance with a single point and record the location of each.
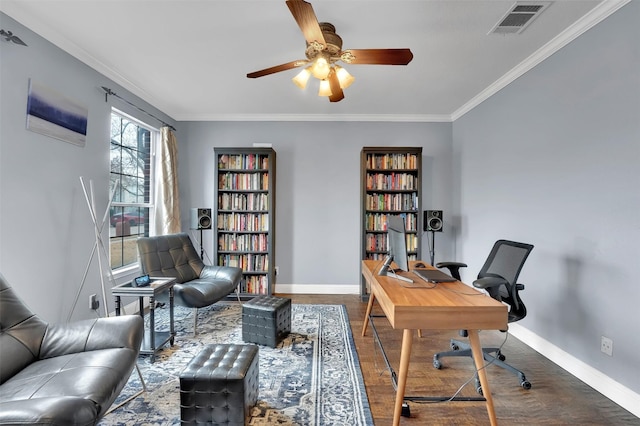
(366, 315)
(405, 355)
(478, 358)
(152, 328)
(172, 331)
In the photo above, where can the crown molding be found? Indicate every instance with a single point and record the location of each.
(595, 16)
(407, 118)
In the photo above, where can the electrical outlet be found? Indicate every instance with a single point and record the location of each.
(606, 346)
(94, 303)
(277, 270)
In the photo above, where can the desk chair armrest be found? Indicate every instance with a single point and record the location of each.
(489, 282)
(453, 267)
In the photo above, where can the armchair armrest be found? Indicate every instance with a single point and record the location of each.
(453, 267)
(230, 273)
(89, 335)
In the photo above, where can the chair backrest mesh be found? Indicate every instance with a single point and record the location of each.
(506, 260)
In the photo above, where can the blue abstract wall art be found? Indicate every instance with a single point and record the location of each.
(52, 114)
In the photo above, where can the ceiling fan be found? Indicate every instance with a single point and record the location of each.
(324, 49)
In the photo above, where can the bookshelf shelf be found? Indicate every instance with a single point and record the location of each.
(390, 185)
(244, 221)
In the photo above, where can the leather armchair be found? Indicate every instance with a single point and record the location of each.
(197, 285)
(63, 373)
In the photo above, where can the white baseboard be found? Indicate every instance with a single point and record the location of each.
(613, 390)
(317, 289)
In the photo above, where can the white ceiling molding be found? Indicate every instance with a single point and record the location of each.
(598, 14)
(408, 118)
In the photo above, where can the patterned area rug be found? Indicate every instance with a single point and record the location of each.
(313, 377)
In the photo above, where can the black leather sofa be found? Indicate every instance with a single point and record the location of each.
(63, 374)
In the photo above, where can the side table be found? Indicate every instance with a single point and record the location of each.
(153, 340)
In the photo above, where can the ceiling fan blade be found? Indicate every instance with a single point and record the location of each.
(307, 21)
(277, 68)
(336, 91)
(380, 56)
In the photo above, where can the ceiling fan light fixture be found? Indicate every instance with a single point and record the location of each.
(325, 88)
(344, 77)
(302, 78)
(324, 49)
(320, 68)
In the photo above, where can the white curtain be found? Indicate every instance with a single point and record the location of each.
(167, 196)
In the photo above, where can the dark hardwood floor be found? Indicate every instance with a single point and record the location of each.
(556, 397)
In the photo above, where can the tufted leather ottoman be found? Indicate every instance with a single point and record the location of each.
(266, 319)
(219, 385)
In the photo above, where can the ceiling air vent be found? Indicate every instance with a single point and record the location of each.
(519, 17)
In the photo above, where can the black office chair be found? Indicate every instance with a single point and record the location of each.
(498, 276)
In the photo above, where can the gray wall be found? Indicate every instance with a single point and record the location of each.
(318, 186)
(554, 160)
(46, 234)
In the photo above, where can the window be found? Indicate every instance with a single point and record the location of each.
(132, 178)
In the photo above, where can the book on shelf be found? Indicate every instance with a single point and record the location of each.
(241, 201)
(246, 222)
(392, 161)
(378, 221)
(243, 162)
(248, 262)
(232, 181)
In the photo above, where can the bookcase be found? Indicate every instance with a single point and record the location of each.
(244, 215)
(391, 180)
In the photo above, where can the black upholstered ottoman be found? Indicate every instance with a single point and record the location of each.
(219, 385)
(266, 320)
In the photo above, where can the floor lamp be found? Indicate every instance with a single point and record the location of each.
(98, 245)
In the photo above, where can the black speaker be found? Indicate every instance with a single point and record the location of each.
(200, 218)
(433, 220)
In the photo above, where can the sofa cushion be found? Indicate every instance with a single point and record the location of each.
(62, 411)
(199, 293)
(21, 333)
(96, 376)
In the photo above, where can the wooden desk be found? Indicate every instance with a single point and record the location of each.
(444, 307)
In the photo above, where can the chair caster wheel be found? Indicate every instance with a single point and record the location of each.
(479, 390)
(406, 412)
(454, 347)
(437, 364)
(525, 384)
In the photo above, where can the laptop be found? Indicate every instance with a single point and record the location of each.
(433, 275)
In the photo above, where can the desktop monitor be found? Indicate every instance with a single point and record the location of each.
(397, 251)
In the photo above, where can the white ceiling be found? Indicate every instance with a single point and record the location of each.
(189, 58)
